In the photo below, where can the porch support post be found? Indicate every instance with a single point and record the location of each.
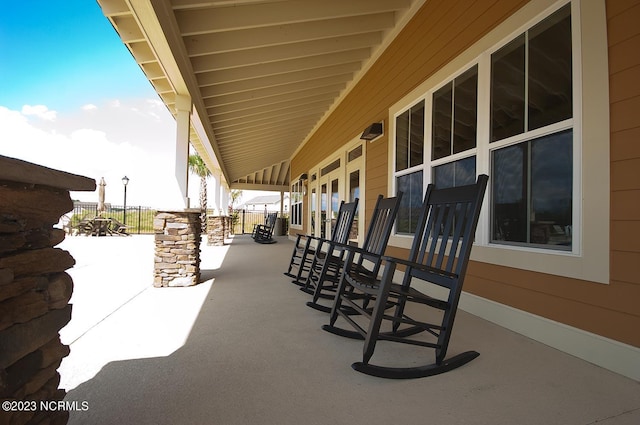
(281, 203)
(224, 208)
(183, 107)
(217, 207)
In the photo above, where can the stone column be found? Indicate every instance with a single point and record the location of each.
(216, 230)
(34, 287)
(177, 255)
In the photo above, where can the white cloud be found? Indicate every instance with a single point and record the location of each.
(89, 107)
(106, 143)
(40, 111)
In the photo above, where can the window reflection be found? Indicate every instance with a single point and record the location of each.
(410, 205)
(456, 173)
(532, 192)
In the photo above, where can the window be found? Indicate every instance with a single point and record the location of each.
(454, 130)
(543, 103)
(455, 116)
(531, 89)
(409, 153)
(410, 137)
(532, 186)
(531, 78)
(525, 145)
(296, 203)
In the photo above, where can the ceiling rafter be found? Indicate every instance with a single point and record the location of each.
(262, 74)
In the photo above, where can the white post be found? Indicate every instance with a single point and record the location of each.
(183, 106)
(216, 194)
(225, 199)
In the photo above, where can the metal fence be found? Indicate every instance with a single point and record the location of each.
(245, 220)
(139, 219)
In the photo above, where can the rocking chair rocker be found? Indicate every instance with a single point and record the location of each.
(438, 258)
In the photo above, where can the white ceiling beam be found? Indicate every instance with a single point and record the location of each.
(114, 7)
(251, 186)
(331, 90)
(268, 116)
(283, 52)
(266, 92)
(251, 38)
(212, 19)
(343, 72)
(232, 113)
(274, 68)
(271, 130)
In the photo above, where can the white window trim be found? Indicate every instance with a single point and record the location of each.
(291, 203)
(589, 258)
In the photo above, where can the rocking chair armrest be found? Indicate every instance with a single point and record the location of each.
(419, 266)
(353, 248)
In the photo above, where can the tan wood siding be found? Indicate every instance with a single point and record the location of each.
(375, 173)
(439, 32)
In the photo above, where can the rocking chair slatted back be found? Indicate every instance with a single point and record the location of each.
(344, 221)
(328, 268)
(306, 246)
(440, 243)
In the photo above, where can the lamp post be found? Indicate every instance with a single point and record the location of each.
(125, 182)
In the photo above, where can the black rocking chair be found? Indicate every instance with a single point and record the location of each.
(263, 233)
(327, 267)
(306, 246)
(438, 258)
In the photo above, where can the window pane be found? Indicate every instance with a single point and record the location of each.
(509, 197)
(354, 192)
(402, 141)
(323, 211)
(465, 111)
(457, 173)
(411, 186)
(329, 168)
(335, 199)
(533, 192)
(441, 145)
(314, 208)
(550, 80)
(354, 154)
(417, 135)
(507, 90)
(551, 189)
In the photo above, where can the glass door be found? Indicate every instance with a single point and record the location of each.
(330, 197)
(355, 182)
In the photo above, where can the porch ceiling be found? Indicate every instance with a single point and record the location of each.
(261, 74)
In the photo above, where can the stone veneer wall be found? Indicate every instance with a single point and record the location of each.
(177, 253)
(34, 287)
(219, 228)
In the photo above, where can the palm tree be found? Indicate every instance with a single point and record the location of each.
(199, 168)
(235, 196)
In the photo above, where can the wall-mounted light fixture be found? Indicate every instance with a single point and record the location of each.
(303, 182)
(372, 132)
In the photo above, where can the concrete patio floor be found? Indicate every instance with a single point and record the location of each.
(242, 348)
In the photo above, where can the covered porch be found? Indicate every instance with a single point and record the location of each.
(242, 348)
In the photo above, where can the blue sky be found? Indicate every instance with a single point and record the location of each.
(72, 98)
(63, 54)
